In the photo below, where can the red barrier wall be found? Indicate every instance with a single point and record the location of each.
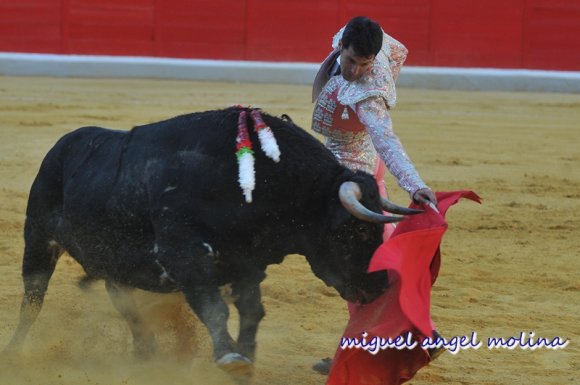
(534, 34)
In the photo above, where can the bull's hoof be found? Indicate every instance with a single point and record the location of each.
(238, 366)
(435, 352)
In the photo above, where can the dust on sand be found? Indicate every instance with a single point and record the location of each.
(509, 265)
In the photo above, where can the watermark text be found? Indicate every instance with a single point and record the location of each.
(525, 340)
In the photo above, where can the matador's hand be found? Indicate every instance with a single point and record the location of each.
(424, 196)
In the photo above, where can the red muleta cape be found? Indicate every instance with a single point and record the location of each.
(412, 257)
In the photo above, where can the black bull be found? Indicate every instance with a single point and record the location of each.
(159, 208)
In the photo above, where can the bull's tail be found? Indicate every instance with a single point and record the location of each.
(40, 257)
(41, 251)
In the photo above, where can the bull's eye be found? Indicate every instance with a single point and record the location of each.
(362, 232)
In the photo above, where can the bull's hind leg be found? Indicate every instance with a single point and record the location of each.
(143, 338)
(40, 257)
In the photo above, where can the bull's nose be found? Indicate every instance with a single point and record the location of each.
(354, 295)
(365, 297)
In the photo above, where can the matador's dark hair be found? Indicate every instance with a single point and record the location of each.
(365, 36)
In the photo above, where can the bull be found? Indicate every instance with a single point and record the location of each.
(159, 208)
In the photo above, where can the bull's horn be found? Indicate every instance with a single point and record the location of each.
(350, 195)
(396, 209)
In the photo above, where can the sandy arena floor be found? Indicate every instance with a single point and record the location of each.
(509, 266)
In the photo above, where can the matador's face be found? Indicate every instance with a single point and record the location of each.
(352, 66)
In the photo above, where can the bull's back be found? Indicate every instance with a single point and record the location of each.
(208, 132)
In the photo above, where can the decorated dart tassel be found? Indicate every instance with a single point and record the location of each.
(245, 155)
(266, 136)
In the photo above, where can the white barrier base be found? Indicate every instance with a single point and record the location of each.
(21, 64)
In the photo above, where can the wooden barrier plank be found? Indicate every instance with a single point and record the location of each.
(477, 34)
(110, 27)
(30, 26)
(301, 31)
(210, 29)
(552, 28)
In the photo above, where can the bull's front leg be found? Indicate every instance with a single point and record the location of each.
(208, 305)
(191, 264)
(251, 310)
